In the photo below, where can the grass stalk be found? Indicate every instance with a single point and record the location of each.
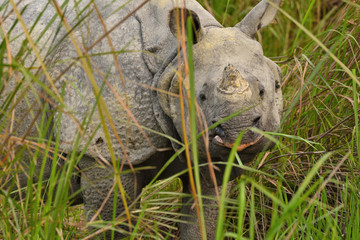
(222, 207)
(356, 116)
(193, 124)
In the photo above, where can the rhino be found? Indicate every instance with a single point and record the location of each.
(122, 82)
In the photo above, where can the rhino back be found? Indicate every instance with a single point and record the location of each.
(118, 68)
(141, 44)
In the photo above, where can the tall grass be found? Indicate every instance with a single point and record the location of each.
(307, 187)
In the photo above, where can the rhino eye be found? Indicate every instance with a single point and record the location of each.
(202, 97)
(277, 85)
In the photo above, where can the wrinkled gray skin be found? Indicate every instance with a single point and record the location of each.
(231, 75)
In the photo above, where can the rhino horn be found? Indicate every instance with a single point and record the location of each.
(232, 81)
(260, 16)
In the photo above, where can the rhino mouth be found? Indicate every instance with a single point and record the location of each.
(249, 138)
(219, 141)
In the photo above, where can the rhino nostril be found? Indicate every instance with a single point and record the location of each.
(261, 93)
(256, 121)
(219, 131)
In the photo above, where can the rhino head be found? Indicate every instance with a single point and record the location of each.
(231, 75)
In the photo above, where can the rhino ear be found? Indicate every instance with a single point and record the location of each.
(179, 15)
(260, 16)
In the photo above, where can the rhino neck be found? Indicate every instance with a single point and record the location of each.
(162, 82)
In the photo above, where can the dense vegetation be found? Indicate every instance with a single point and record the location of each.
(307, 187)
